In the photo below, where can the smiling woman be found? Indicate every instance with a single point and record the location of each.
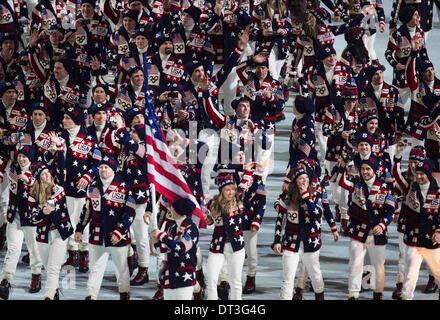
(298, 233)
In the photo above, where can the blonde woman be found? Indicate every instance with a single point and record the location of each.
(226, 213)
(19, 227)
(47, 202)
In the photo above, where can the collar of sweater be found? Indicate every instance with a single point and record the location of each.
(190, 28)
(25, 168)
(424, 187)
(106, 182)
(63, 82)
(365, 157)
(164, 57)
(143, 50)
(73, 131)
(370, 182)
(41, 126)
(411, 29)
(377, 87)
(99, 128)
(328, 69)
(195, 84)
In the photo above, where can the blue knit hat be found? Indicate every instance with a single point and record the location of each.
(184, 206)
(426, 166)
(406, 14)
(109, 161)
(304, 105)
(364, 136)
(373, 162)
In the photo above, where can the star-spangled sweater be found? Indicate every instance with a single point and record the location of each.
(58, 219)
(109, 212)
(181, 242)
(302, 225)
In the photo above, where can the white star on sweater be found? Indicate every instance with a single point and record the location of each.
(186, 276)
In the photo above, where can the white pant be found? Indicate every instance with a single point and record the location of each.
(160, 263)
(53, 256)
(357, 251)
(339, 194)
(301, 275)
(74, 208)
(339, 197)
(178, 294)
(140, 232)
(369, 44)
(265, 157)
(322, 140)
(405, 98)
(414, 258)
(224, 272)
(275, 65)
(290, 262)
(402, 260)
(235, 266)
(212, 140)
(15, 234)
(250, 246)
(98, 261)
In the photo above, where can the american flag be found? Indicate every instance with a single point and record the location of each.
(161, 166)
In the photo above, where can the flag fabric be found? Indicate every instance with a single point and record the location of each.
(162, 169)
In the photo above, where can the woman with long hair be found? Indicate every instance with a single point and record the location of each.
(19, 227)
(226, 213)
(298, 233)
(47, 201)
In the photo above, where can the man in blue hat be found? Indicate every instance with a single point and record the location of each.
(78, 154)
(108, 213)
(383, 98)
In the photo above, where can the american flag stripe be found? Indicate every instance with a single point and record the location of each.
(161, 166)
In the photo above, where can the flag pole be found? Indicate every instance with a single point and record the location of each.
(154, 205)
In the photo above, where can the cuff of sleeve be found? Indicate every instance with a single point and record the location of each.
(162, 236)
(118, 233)
(87, 177)
(305, 195)
(256, 225)
(239, 51)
